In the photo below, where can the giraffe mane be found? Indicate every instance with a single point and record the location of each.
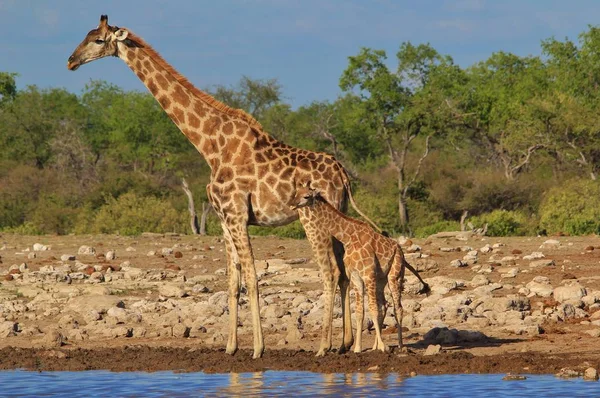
(203, 96)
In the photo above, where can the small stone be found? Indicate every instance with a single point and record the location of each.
(567, 373)
(300, 260)
(178, 254)
(86, 250)
(594, 332)
(534, 256)
(589, 249)
(541, 263)
(38, 247)
(173, 267)
(550, 244)
(54, 339)
(510, 273)
(31, 255)
(67, 257)
(110, 255)
(512, 377)
(200, 289)
(130, 249)
(590, 374)
(433, 349)
(458, 263)
(8, 277)
(171, 291)
(89, 270)
(180, 330)
(166, 251)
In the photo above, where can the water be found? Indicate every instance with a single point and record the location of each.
(271, 383)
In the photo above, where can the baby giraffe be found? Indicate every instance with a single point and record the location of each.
(371, 259)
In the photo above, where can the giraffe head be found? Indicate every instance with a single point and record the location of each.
(305, 195)
(98, 43)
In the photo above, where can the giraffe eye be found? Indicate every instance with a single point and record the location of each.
(99, 41)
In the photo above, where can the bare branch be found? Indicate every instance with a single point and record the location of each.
(530, 151)
(419, 164)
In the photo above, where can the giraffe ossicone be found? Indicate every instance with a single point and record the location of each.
(252, 174)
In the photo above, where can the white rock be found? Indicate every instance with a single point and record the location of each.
(541, 263)
(67, 257)
(570, 292)
(550, 244)
(590, 374)
(510, 273)
(540, 289)
(110, 255)
(486, 249)
(166, 251)
(457, 263)
(479, 280)
(170, 290)
(534, 256)
(86, 250)
(38, 247)
(433, 349)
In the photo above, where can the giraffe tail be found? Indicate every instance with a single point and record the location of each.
(425, 289)
(348, 187)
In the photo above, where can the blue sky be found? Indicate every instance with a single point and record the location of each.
(303, 43)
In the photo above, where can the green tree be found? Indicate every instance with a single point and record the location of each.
(8, 86)
(255, 96)
(398, 106)
(504, 89)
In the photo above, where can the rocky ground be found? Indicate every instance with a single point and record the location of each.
(155, 302)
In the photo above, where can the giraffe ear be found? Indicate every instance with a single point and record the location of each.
(121, 34)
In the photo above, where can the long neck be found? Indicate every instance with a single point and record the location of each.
(201, 118)
(335, 222)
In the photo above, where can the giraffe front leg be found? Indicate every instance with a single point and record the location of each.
(241, 241)
(395, 282)
(344, 283)
(322, 249)
(359, 290)
(234, 283)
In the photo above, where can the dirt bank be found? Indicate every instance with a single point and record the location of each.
(158, 304)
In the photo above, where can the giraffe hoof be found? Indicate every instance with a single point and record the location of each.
(321, 353)
(231, 350)
(257, 355)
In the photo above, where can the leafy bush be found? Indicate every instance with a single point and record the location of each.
(131, 214)
(293, 230)
(27, 228)
(502, 222)
(573, 208)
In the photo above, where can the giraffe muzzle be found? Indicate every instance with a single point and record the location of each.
(72, 63)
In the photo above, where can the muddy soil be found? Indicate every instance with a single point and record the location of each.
(560, 345)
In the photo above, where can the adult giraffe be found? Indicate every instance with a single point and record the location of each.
(252, 175)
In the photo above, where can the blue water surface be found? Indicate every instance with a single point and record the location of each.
(21, 383)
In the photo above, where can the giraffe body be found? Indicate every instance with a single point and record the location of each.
(252, 174)
(371, 261)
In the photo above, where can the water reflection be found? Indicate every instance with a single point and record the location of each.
(272, 383)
